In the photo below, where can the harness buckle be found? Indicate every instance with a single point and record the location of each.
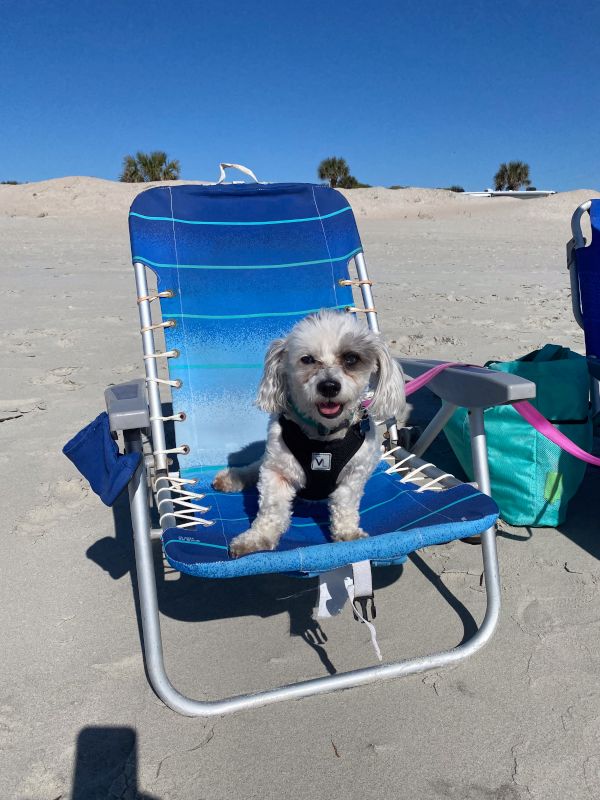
(362, 615)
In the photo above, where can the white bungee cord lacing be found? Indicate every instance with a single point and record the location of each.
(356, 310)
(169, 323)
(166, 354)
(178, 495)
(152, 297)
(414, 475)
(179, 417)
(180, 501)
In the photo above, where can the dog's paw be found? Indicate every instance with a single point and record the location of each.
(250, 542)
(349, 536)
(227, 480)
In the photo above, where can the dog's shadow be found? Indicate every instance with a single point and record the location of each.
(189, 599)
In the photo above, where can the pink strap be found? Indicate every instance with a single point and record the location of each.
(524, 408)
(541, 424)
(423, 380)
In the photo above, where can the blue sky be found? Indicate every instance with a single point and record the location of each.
(416, 93)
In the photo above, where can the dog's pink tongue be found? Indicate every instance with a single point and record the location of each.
(329, 409)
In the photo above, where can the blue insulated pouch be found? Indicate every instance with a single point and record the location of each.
(96, 455)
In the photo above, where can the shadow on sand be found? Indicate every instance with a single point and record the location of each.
(189, 599)
(106, 765)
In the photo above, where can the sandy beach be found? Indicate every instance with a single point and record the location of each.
(457, 278)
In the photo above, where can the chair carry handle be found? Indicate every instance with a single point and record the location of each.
(223, 166)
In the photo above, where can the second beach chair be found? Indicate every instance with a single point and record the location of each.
(583, 261)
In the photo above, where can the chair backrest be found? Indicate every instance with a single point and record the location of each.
(245, 262)
(588, 273)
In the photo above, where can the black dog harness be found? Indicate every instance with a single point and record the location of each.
(322, 461)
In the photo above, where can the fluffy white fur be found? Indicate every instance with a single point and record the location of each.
(337, 348)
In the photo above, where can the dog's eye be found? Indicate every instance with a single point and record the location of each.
(307, 360)
(350, 359)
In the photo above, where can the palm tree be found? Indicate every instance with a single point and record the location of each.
(512, 176)
(500, 178)
(145, 167)
(350, 182)
(335, 170)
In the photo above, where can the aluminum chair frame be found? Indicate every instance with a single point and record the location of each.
(483, 388)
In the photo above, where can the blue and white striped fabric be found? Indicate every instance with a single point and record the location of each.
(398, 518)
(246, 262)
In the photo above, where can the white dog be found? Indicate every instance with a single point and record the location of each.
(320, 441)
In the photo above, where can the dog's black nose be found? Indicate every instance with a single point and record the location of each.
(329, 388)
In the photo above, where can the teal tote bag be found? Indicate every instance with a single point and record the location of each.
(532, 479)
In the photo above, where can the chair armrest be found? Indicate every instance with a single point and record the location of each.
(127, 406)
(473, 387)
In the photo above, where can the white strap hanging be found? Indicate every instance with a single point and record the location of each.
(373, 633)
(362, 579)
(352, 582)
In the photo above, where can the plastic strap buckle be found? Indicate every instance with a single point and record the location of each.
(363, 592)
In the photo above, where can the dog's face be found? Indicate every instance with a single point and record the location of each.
(325, 366)
(329, 361)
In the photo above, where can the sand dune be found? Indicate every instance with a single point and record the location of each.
(84, 195)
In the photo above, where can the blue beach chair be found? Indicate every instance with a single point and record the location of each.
(237, 265)
(583, 261)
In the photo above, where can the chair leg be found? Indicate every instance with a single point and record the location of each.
(482, 477)
(433, 429)
(153, 651)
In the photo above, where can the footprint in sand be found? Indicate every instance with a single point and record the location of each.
(21, 340)
(60, 375)
(556, 658)
(18, 346)
(543, 616)
(60, 500)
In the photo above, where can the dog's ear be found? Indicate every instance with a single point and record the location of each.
(272, 389)
(388, 399)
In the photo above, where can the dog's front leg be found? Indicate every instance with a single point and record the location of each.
(276, 494)
(344, 519)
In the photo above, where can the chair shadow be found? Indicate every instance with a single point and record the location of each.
(465, 616)
(106, 764)
(189, 599)
(579, 525)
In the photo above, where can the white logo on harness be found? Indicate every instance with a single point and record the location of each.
(321, 461)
